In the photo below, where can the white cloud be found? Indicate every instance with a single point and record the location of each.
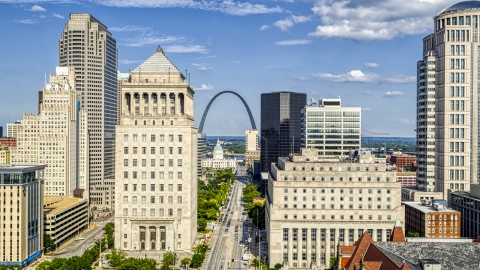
(393, 94)
(41, 16)
(201, 67)
(289, 22)
(150, 39)
(206, 57)
(129, 28)
(204, 87)
(185, 48)
(300, 78)
(375, 19)
(37, 8)
(359, 76)
(294, 42)
(406, 121)
(264, 27)
(26, 21)
(226, 6)
(366, 109)
(366, 92)
(371, 65)
(58, 16)
(127, 62)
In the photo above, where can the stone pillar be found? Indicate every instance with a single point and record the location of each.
(147, 237)
(300, 246)
(309, 246)
(327, 246)
(125, 104)
(317, 246)
(290, 247)
(384, 235)
(177, 104)
(374, 236)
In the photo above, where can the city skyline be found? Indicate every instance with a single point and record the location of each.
(322, 48)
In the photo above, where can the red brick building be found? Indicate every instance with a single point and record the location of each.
(8, 141)
(403, 161)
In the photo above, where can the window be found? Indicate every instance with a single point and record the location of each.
(152, 138)
(152, 199)
(180, 138)
(179, 187)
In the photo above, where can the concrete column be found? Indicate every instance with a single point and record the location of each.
(384, 235)
(327, 246)
(177, 104)
(317, 247)
(300, 247)
(374, 236)
(125, 104)
(290, 247)
(309, 246)
(147, 237)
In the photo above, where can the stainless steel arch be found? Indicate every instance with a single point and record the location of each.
(200, 128)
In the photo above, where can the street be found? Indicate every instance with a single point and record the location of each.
(227, 246)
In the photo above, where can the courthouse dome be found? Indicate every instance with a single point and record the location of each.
(464, 5)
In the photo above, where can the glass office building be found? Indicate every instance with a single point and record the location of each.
(281, 116)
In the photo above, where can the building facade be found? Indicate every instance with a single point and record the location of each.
(451, 52)
(22, 191)
(431, 219)
(314, 204)
(56, 136)
(468, 204)
(403, 161)
(333, 130)
(64, 218)
(252, 152)
(156, 160)
(412, 194)
(12, 129)
(218, 161)
(280, 131)
(88, 46)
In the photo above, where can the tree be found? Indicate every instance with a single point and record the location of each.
(333, 261)
(202, 224)
(278, 266)
(197, 259)
(137, 264)
(116, 257)
(413, 234)
(109, 230)
(260, 217)
(169, 258)
(48, 242)
(185, 262)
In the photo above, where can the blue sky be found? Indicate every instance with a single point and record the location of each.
(364, 51)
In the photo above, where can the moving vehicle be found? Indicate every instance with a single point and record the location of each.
(236, 228)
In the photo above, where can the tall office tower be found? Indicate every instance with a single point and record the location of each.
(315, 205)
(426, 117)
(12, 129)
(252, 152)
(156, 157)
(454, 50)
(332, 129)
(1, 132)
(87, 45)
(56, 136)
(280, 133)
(22, 190)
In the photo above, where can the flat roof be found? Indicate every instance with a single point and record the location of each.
(14, 168)
(53, 205)
(428, 209)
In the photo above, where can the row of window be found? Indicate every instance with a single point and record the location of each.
(161, 199)
(152, 212)
(298, 234)
(161, 150)
(322, 198)
(153, 138)
(341, 206)
(457, 77)
(332, 190)
(322, 178)
(161, 162)
(161, 187)
(153, 175)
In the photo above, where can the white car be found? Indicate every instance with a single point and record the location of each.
(80, 238)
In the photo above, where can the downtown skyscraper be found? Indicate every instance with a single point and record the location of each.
(448, 101)
(88, 46)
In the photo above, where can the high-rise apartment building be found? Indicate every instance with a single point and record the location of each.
(252, 152)
(280, 133)
(56, 136)
(450, 54)
(426, 118)
(333, 130)
(21, 240)
(315, 204)
(156, 160)
(88, 46)
(12, 129)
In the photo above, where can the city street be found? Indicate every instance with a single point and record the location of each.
(226, 247)
(78, 247)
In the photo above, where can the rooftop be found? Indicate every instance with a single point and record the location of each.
(53, 205)
(14, 168)
(464, 5)
(450, 255)
(428, 209)
(158, 63)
